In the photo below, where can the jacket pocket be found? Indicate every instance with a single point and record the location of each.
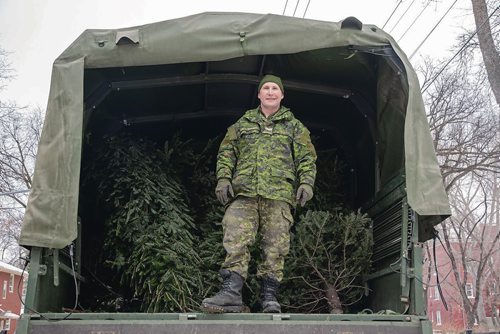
(248, 131)
(283, 173)
(244, 169)
(243, 180)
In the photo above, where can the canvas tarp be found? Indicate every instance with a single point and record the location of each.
(51, 214)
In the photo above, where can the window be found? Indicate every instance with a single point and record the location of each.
(436, 293)
(7, 324)
(4, 290)
(11, 283)
(469, 290)
(438, 318)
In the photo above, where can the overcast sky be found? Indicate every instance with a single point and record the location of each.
(36, 32)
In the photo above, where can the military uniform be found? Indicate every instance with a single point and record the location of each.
(265, 159)
(261, 162)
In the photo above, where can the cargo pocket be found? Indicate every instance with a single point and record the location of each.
(285, 238)
(287, 215)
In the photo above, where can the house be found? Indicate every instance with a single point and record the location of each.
(11, 290)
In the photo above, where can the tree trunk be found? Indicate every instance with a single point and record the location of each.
(333, 299)
(466, 303)
(491, 57)
(471, 318)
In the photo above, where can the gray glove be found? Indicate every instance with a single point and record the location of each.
(223, 190)
(304, 194)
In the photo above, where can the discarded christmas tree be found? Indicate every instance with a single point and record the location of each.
(330, 253)
(149, 239)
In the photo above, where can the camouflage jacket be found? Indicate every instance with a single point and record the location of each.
(269, 157)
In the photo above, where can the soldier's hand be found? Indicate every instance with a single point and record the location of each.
(223, 190)
(304, 194)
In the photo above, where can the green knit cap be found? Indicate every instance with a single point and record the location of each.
(271, 78)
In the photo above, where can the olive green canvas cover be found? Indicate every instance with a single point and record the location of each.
(51, 214)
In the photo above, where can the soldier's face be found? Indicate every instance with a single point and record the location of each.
(270, 95)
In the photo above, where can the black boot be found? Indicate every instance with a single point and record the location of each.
(269, 293)
(228, 299)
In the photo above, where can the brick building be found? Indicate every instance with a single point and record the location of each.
(10, 303)
(453, 320)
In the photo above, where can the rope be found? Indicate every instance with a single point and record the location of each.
(436, 235)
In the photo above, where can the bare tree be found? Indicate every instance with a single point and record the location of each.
(19, 136)
(489, 51)
(20, 133)
(492, 298)
(465, 125)
(10, 219)
(463, 122)
(6, 73)
(6, 70)
(472, 240)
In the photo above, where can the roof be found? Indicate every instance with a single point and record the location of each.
(51, 214)
(8, 314)
(8, 268)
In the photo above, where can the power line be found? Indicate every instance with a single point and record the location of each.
(415, 20)
(401, 17)
(432, 30)
(395, 8)
(296, 6)
(284, 9)
(307, 7)
(459, 51)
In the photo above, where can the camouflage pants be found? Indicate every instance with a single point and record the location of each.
(244, 218)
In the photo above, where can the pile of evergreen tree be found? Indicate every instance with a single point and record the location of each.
(163, 233)
(149, 239)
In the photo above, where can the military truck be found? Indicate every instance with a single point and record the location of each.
(348, 82)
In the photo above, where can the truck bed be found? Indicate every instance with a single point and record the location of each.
(249, 323)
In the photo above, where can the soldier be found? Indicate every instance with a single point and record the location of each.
(262, 158)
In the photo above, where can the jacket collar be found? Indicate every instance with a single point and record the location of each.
(254, 115)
